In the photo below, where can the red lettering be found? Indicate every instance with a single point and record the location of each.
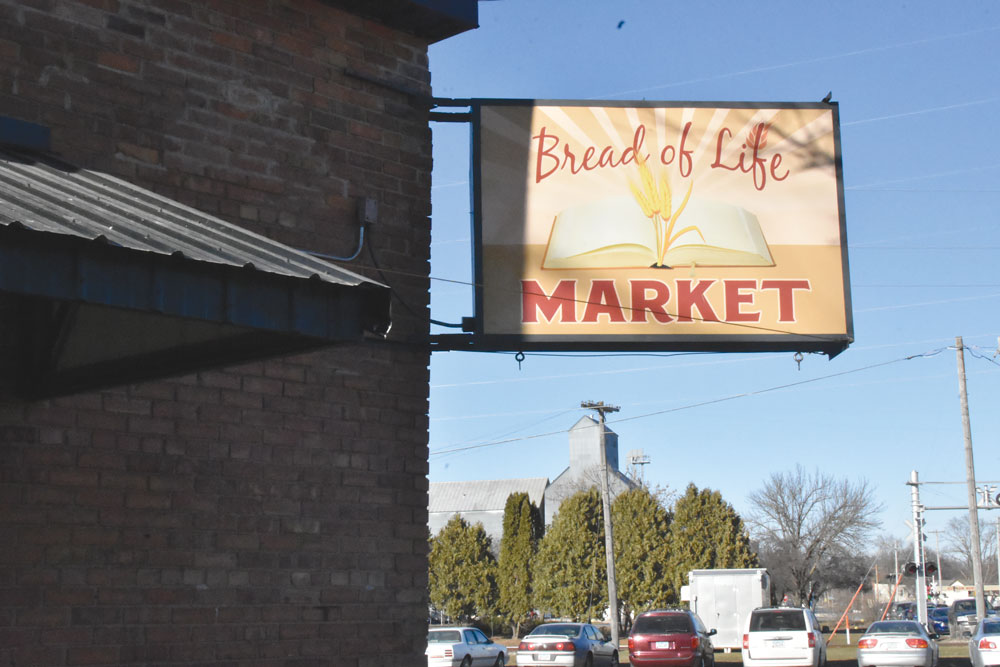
(775, 163)
(786, 296)
(736, 296)
(757, 162)
(717, 164)
(689, 299)
(543, 151)
(607, 157)
(758, 165)
(749, 161)
(651, 297)
(562, 301)
(587, 156)
(757, 168)
(663, 154)
(603, 300)
(570, 159)
(685, 160)
(545, 154)
(655, 304)
(635, 150)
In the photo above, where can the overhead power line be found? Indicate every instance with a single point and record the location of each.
(699, 404)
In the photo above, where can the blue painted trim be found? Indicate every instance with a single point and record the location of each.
(52, 266)
(24, 134)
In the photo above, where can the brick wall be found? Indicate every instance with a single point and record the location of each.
(269, 514)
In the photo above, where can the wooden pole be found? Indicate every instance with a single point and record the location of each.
(970, 477)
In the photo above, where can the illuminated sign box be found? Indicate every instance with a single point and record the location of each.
(689, 226)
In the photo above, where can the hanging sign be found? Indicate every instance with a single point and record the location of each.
(660, 226)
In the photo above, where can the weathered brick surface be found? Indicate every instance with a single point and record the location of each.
(269, 514)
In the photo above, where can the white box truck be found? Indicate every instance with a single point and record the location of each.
(724, 598)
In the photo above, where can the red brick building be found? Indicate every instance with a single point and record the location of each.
(271, 512)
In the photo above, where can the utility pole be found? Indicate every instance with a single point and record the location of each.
(970, 477)
(609, 546)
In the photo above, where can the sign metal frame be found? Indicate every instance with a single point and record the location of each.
(477, 338)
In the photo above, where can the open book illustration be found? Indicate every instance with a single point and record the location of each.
(617, 233)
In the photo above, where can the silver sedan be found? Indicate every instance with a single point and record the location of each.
(566, 645)
(897, 644)
(984, 645)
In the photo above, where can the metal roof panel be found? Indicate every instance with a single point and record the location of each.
(41, 193)
(482, 495)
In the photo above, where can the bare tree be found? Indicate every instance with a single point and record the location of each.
(807, 525)
(959, 538)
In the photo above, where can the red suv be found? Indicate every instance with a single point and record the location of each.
(670, 638)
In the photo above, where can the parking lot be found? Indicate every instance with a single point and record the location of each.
(953, 652)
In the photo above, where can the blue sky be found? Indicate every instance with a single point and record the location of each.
(919, 90)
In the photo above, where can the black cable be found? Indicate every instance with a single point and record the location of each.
(392, 290)
(972, 351)
(451, 325)
(601, 355)
(702, 403)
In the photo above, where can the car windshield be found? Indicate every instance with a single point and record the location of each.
(564, 629)
(779, 619)
(991, 628)
(939, 612)
(661, 624)
(894, 628)
(444, 637)
(970, 606)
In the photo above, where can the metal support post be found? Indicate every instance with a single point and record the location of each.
(920, 581)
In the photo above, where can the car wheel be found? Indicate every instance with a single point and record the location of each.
(467, 661)
(614, 659)
(589, 662)
(500, 661)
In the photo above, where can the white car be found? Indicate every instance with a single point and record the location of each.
(783, 637)
(984, 645)
(462, 647)
(897, 644)
(566, 645)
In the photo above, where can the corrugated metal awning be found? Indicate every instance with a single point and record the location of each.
(102, 282)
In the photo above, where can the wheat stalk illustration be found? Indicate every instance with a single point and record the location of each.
(655, 199)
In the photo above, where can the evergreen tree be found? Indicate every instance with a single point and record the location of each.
(642, 550)
(706, 533)
(522, 528)
(570, 572)
(462, 570)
